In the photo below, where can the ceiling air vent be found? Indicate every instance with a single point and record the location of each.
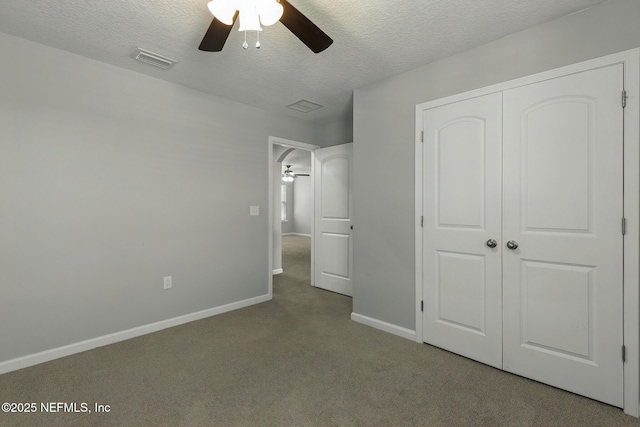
(149, 57)
(304, 106)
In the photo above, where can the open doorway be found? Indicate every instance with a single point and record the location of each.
(296, 193)
(294, 283)
(296, 215)
(291, 223)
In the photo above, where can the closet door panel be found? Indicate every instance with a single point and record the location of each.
(462, 211)
(563, 208)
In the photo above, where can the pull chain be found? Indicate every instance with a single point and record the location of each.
(246, 45)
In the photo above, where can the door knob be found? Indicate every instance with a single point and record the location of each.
(512, 244)
(492, 243)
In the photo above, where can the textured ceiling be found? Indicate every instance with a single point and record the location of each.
(373, 40)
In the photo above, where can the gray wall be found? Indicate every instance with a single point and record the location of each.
(110, 180)
(302, 196)
(384, 267)
(287, 226)
(335, 133)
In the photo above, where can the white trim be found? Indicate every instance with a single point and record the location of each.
(632, 237)
(616, 58)
(292, 144)
(67, 350)
(418, 224)
(384, 326)
(270, 216)
(313, 213)
(296, 234)
(277, 271)
(631, 319)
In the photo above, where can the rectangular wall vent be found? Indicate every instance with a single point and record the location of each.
(152, 58)
(304, 106)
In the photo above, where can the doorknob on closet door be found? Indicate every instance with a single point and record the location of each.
(492, 243)
(512, 244)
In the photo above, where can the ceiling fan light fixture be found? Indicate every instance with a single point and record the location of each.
(223, 10)
(288, 174)
(249, 18)
(253, 13)
(270, 11)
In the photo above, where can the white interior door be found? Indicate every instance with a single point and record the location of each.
(333, 241)
(563, 194)
(462, 213)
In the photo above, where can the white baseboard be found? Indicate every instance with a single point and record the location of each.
(296, 234)
(67, 350)
(384, 326)
(277, 271)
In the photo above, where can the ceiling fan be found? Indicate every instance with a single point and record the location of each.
(226, 11)
(288, 174)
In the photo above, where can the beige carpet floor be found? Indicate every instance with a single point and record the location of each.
(297, 360)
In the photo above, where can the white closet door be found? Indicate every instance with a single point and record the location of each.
(563, 206)
(462, 211)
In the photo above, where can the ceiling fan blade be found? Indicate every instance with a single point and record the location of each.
(301, 174)
(304, 29)
(216, 35)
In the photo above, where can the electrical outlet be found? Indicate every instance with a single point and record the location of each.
(168, 282)
(254, 210)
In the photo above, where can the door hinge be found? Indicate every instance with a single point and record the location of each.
(624, 226)
(421, 305)
(624, 353)
(422, 221)
(624, 98)
(422, 136)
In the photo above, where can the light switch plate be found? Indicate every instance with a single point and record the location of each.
(254, 210)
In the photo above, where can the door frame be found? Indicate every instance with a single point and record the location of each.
(631, 162)
(273, 140)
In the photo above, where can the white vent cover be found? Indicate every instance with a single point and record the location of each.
(304, 106)
(152, 58)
